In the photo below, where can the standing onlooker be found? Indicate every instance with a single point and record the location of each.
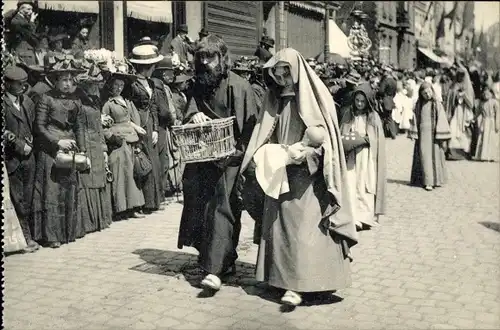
(142, 93)
(488, 125)
(166, 117)
(58, 128)
(165, 73)
(123, 137)
(80, 42)
(386, 92)
(19, 156)
(460, 105)
(94, 196)
(496, 86)
(182, 44)
(262, 51)
(41, 50)
(430, 130)
(23, 38)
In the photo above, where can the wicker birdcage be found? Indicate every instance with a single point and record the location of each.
(205, 142)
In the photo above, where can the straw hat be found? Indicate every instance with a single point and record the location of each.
(145, 54)
(146, 41)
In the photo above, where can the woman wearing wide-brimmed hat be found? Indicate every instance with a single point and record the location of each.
(95, 211)
(59, 131)
(123, 136)
(142, 93)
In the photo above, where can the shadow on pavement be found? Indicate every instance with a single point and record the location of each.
(401, 182)
(181, 265)
(491, 225)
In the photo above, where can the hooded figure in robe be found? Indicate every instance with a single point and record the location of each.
(307, 228)
(366, 164)
(431, 131)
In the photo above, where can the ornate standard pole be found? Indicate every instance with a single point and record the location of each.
(327, 31)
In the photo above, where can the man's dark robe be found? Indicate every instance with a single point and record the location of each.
(20, 167)
(211, 218)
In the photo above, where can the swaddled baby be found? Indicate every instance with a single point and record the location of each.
(271, 161)
(313, 138)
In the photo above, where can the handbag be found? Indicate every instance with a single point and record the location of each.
(109, 175)
(142, 165)
(352, 140)
(72, 160)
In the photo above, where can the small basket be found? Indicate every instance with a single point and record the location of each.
(205, 142)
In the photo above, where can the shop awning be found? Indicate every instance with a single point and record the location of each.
(315, 6)
(75, 6)
(430, 54)
(9, 5)
(156, 11)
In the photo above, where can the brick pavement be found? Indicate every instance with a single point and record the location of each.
(433, 264)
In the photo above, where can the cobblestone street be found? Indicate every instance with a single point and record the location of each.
(434, 263)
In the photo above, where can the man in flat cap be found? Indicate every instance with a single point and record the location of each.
(19, 113)
(182, 45)
(23, 38)
(262, 51)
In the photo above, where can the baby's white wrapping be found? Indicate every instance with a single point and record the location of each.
(270, 171)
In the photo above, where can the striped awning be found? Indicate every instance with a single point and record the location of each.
(314, 6)
(9, 5)
(156, 11)
(75, 6)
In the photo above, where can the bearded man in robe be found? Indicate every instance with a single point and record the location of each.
(211, 217)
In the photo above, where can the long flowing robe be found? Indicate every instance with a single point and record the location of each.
(430, 130)
(488, 139)
(460, 116)
(306, 234)
(366, 166)
(211, 217)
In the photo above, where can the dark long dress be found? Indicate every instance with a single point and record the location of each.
(147, 106)
(430, 129)
(55, 200)
(94, 196)
(211, 215)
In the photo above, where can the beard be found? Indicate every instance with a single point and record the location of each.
(208, 79)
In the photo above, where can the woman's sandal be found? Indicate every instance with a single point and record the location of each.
(291, 298)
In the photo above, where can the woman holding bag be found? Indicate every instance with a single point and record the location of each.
(59, 136)
(123, 135)
(364, 146)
